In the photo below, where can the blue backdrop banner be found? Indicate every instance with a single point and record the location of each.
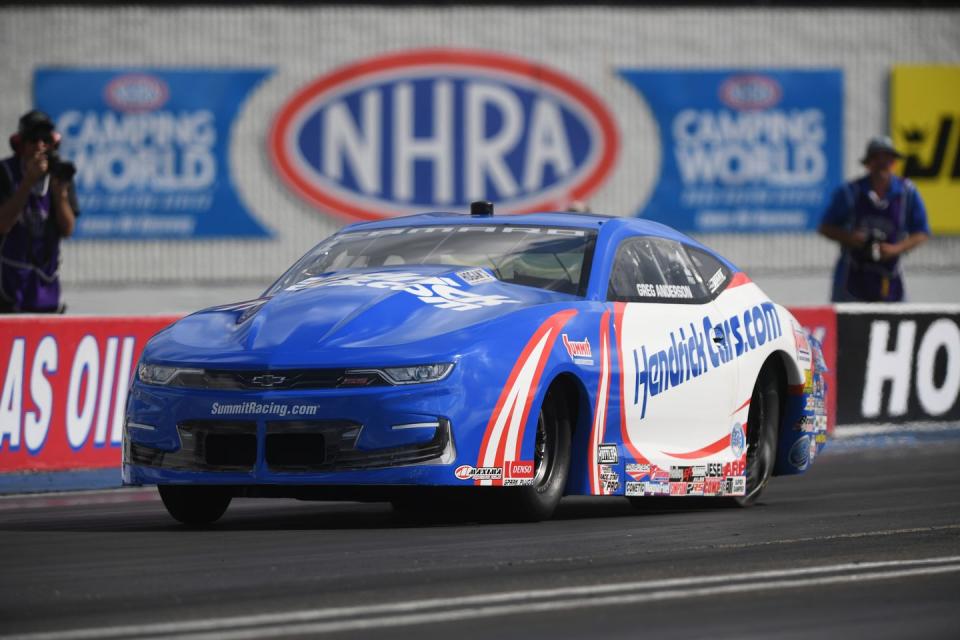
(152, 149)
(743, 150)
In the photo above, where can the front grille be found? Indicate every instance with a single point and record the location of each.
(206, 445)
(292, 446)
(228, 380)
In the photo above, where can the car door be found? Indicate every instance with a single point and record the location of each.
(678, 383)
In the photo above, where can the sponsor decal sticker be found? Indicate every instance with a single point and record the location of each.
(608, 454)
(689, 352)
(438, 128)
(517, 473)
(634, 489)
(467, 472)
(799, 455)
(252, 408)
(475, 276)
(580, 352)
(439, 291)
(738, 440)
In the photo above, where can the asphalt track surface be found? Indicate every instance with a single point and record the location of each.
(866, 545)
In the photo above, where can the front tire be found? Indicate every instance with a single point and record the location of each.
(551, 463)
(763, 424)
(193, 505)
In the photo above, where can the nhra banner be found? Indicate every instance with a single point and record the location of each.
(897, 364)
(435, 129)
(151, 148)
(925, 125)
(65, 383)
(754, 151)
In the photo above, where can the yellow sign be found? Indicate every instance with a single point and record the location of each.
(925, 126)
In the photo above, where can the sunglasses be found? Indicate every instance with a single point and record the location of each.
(38, 137)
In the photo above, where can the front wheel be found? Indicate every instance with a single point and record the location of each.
(551, 463)
(195, 506)
(763, 423)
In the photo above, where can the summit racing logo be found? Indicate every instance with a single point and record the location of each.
(440, 128)
(579, 351)
(439, 291)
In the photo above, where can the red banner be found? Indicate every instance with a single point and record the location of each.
(65, 383)
(822, 323)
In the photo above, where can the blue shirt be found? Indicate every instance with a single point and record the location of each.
(899, 213)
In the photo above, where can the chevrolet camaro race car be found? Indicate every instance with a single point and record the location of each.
(525, 357)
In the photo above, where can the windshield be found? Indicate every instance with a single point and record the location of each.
(553, 258)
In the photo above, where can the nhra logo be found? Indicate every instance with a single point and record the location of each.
(136, 92)
(440, 128)
(750, 92)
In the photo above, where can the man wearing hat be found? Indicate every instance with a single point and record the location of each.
(37, 209)
(875, 219)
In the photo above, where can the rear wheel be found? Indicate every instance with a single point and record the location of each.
(763, 423)
(551, 462)
(194, 505)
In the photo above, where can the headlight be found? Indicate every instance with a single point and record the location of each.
(159, 374)
(415, 374)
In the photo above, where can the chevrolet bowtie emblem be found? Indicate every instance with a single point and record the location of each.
(267, 380)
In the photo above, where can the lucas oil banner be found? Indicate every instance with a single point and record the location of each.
(63, 389)
(753, 151)
(925, 124)
(151, 148)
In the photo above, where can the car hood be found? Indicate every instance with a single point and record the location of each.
(402, 313)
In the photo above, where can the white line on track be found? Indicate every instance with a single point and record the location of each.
(413, 612)
(77, 498)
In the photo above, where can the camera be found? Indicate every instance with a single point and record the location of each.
(59, 168)
(871, 246)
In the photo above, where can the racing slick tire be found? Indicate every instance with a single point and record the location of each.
(195, 506)
(763, 423)
(551, 463)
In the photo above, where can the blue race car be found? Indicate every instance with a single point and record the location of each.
(521, 357)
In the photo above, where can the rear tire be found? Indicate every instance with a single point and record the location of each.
(193, 505)
(551, 464)
(763, 423)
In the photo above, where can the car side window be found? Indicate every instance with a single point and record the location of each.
(635, 272)
(714, 273)
(655, 270)
(683, 280)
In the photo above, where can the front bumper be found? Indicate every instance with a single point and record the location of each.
(383, 435)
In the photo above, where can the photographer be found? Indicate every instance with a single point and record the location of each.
(875, 219)
(37, 208)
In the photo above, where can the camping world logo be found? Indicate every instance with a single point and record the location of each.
(435, 129)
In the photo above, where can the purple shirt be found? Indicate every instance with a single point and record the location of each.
(30, 251)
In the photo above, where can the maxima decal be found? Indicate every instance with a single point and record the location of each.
(439, 128)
